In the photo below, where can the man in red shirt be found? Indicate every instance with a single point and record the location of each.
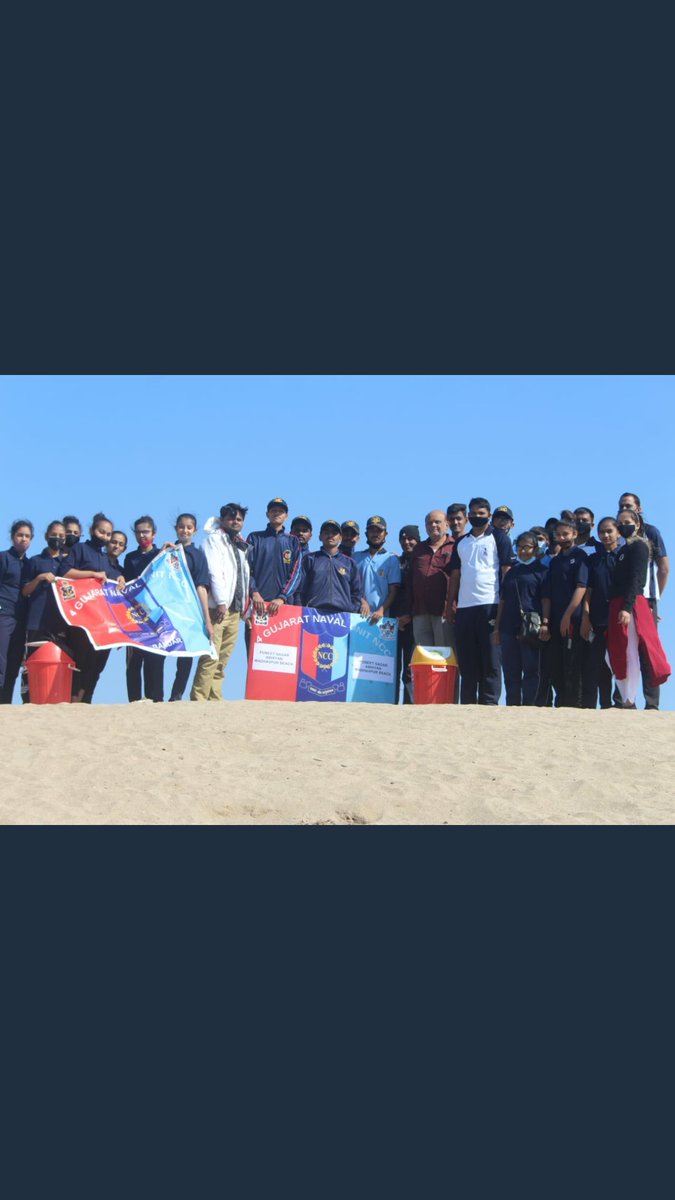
(427, 584)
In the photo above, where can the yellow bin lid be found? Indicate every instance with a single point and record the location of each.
(433, 656)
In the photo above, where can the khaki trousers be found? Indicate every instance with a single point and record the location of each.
(208, 681)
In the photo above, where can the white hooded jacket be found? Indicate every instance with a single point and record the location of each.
(222, 564)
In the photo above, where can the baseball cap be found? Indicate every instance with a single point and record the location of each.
(301, 517)
(330, 523)
(349, 525)
(503, 511)
(278, 501)
(378, 521)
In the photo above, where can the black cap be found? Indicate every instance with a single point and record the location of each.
(279, 502)
(350, 525)
(302, 517)
(411, 531)
(503, 511)
(329, 522)
(378, 522)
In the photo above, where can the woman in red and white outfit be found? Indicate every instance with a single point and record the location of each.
(631, 625)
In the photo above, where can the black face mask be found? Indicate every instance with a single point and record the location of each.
(626, 531)
(98, 542)
(478, 522)
(55, 542)
(72, 539)
(584, 528)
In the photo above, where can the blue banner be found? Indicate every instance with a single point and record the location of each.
(323, 656)
(372, 661)
(160, 611)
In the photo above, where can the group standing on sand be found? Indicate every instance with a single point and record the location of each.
(563, 617)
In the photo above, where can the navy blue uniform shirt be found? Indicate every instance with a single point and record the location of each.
(42, 610)
(87, 556)
(12, 579)
(275, 562)
(197, 566)
(567, 571)
(330, 581)
(600, 574)
(137, 560)
(530, 580)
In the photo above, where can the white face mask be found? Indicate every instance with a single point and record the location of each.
(526, 561)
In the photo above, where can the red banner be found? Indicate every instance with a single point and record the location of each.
(274, 658)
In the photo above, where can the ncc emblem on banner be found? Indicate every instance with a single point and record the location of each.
(324, 655)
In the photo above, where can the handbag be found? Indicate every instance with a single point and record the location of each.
(530, 622)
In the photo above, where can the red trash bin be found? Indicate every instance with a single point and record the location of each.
(50, 675)
(434, 674)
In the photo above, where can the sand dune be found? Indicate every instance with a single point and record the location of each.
(333, 764)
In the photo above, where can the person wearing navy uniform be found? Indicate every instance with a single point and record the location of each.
(521, 592)
(564, 589)
(43, 620)
(13, 607)
(117, 547)
(275, 563)
(186, 528)
(143, 667)
(596, 677)
(73, 528)
(89, 560)
(301, 528)
(585, 519)
(351, 533)
(478, 565)
(331, 581)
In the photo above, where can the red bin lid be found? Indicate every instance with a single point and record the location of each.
(50, 653)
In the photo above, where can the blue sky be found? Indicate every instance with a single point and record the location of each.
(334, 446)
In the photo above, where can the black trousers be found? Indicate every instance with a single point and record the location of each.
(183, 668)
(480, 662)
(565, 660)
(12, 644)
(404, 652)
(148, 669)
(89, 663)
(596, 677)
(520, 662)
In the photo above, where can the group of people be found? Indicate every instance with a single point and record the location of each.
(567, 618)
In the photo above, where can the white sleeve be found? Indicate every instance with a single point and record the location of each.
(215, 559)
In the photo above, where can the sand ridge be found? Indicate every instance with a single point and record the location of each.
(334, 764)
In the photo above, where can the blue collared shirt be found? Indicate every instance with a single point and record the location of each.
(378, 572)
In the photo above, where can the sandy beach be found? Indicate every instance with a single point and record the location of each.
(333, 764)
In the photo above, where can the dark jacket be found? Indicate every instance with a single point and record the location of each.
(275, 562)
(330, 583)
(87, 556)
(630, 573)
(12, 579)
